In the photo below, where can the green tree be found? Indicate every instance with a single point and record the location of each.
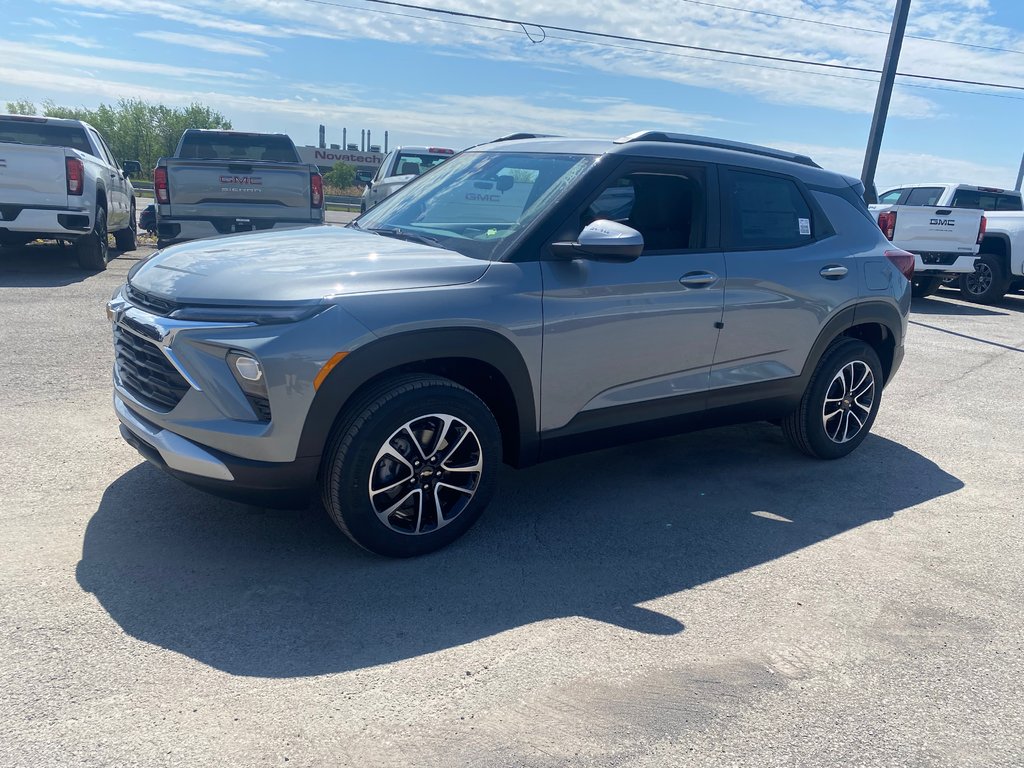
(340, 176)
(21, 107)
(137, 130)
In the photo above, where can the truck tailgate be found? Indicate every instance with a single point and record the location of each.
(244, 190)
(32, 176)
(927, 229)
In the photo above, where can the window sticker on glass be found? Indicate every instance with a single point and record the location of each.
(805, 226)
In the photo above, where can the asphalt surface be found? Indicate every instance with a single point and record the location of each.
(708, 600)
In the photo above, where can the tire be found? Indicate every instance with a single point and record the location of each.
(127, 239)
(92, 250)
(362, 207)
(924, 286)
(373, 477)
(988, 282)
(822, 425)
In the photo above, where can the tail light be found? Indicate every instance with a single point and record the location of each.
(982, 229)
(887, 223)
(76, 175)
(902, 260)
(316, 190)
(163, 192)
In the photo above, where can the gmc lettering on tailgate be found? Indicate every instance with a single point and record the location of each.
(942, 222)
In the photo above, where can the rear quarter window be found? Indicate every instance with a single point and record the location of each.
(924, 196)
(764, 211)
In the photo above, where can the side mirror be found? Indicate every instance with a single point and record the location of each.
(603, 240)
(131, 168)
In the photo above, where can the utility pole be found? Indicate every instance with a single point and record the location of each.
(1020, 174)
(892, 60)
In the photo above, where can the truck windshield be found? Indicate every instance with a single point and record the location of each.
(237, 146)
(477, 203)
(44, 135)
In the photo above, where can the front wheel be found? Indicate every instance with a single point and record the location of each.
(840, 403)
(988, 282)
(92, 249)
(127, 239)
(411, 465)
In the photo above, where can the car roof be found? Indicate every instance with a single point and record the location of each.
(49, 120)
(657, 144)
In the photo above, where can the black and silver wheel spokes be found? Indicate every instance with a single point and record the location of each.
(980, 280)
(425, 474)
(848, 402)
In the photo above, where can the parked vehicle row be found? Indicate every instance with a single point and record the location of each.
(525, 300)
(59, 180)
(999, 264)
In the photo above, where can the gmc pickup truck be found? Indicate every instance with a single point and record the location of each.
(59, 180)
(999, 267)
(220, 182)
(943, 239)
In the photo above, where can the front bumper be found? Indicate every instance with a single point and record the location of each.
(266, 484)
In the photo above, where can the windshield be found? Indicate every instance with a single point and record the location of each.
(477, 203)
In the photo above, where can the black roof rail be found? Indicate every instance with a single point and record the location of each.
(515, 136)
(706, 141)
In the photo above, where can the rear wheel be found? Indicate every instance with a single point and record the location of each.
(924, 286)
(92, 250)
(411, 465)
(127, 239)
(988, 282)
(840, 403)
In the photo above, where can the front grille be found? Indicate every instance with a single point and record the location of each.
(145, 372)
(149, 302)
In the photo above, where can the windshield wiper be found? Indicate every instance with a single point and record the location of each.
(402, 234)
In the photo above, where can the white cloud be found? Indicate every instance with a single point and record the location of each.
(75, 40)
(43, 22)
(206, 43)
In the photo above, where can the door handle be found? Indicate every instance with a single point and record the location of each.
(698, 279)
(833, 272)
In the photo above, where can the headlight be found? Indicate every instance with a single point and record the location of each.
(258, 315)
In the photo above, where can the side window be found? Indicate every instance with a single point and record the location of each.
(1008, 203)
(762, 211)
(666, 206)
(104, 152)
(924, 196)
(382, 171)
(891, 198)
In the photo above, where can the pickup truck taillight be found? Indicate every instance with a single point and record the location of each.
(887, 223)
(902, 260)
(160, 188)
(982, 228)
(316, 190)
(75, 174)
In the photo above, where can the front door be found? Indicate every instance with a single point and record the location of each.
(623, 334)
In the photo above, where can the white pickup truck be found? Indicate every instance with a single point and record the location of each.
(999, 267)
(944, 240)
(59, 180)
(401, 166)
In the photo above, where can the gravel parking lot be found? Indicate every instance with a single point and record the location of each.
(709, 600)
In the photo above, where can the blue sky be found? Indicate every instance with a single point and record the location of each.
(288, 65)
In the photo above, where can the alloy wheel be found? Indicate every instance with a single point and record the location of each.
(425, 474)
(848, 401)
(979, 281)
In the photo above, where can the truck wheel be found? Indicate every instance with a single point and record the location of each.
(924, 286)
(127, 239)
(92, 249)
(988, 282)
(411, 465)
(840, 403)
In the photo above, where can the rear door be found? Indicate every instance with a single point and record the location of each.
(786, 277)
(618, 335)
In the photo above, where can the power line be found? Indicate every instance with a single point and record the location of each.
(848, 26)
(647, 41)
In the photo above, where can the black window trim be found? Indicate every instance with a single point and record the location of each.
(821, 227)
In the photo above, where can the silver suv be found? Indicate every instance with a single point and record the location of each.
(523, 300)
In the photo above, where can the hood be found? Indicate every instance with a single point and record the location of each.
(298, 265)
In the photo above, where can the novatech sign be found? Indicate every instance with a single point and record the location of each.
(326, 158)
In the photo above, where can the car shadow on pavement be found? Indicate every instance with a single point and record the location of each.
(43, 265)
(949, 302)
(282, 594)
